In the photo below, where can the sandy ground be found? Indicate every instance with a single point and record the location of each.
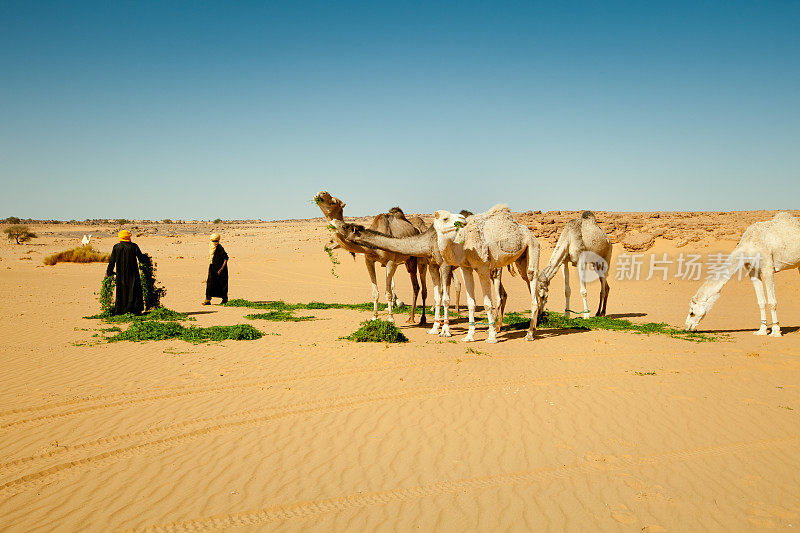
(303, 430)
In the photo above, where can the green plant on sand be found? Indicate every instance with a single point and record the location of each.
(155, 331)
(278, 316)
(551, 319)
(377, 331)
(79, 254)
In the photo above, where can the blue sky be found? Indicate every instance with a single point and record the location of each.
(247, 109)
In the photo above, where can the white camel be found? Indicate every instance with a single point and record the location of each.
(581, 243)
(765, 248)
(486, 242)
(86, 240)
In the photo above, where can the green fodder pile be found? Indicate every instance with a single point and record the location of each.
(151, 292)
(377, 331)
(551, 319)
(156, 331)
(79, 254)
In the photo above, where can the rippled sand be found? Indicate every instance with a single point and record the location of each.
(303, 430)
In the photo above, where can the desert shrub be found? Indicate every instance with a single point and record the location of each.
(217, 220)
(79, 254)
(377, 331)
(13, 220)
(123, 221)
(166, 221)
(19, 233)
(161, 314)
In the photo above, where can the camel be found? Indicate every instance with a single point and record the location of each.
(581, 243)
(392, 223)
(424, 246)
(486, 242)
(765, 248)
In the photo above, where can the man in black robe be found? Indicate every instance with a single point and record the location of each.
(123, 261)
(217, 283)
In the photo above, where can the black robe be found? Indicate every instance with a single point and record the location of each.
(129, 287)
(217, 284)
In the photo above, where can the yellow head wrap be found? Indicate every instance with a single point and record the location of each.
(124, 236)
(212, 246)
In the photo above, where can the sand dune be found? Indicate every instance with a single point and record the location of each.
(579, 430)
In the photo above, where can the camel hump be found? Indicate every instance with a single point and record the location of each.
(588, 215)
(499, 208)
(397, 212)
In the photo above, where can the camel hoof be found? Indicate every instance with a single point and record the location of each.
(775, 334)
(423, 321)
(468, 339)
(390, 319)
(760, 332)
(491, 340)
(411, 321)
(529, 336)
(445, 334)
(433, 331)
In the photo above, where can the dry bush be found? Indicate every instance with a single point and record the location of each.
(80, 254)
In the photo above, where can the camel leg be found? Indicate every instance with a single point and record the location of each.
(772, 302)
(496, 284)
(437, 298)
(755, 277)
(604, 288)
(532, 274)
(457, 290)
(446, 274)
(411, 266)
(584, 296)
(375, 292)
(501, 302)
(567, 290)
(469, 285)
(391, 267)
(421, 268)
(488, 304)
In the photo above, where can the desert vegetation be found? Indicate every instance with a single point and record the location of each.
(19, 233)
(79, 254)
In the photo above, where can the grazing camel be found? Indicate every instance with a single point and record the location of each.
(765, 248)
(581, 243)
(486, 242)
(393, 223)
(424, 246)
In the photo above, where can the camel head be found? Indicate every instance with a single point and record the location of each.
(449, 226)
(330, 206)
(351, 232)
(700, 305)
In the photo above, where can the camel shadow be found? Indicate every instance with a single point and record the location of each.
(626, 315)
(539, 334)
(200, 313)
(784, 330)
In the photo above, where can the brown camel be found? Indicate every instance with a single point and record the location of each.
(393, 223)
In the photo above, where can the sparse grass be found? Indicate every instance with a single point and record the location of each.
(651, 373)
(551, 319)
(159, 314)
(155, 331)
(280, 305)
(79, 254)
(278, 316)
(377, 331)
(473, 351)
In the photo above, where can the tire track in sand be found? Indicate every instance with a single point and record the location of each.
(306, 508)
(189, 390)
(312, 407)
